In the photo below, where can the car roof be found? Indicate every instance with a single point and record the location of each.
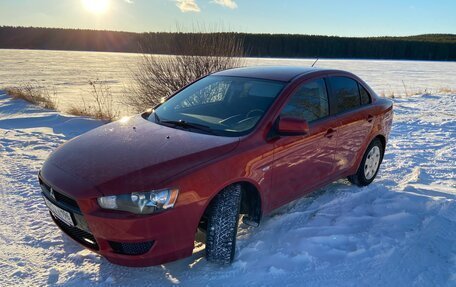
(275, 73)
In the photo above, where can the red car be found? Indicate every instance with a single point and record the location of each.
(238, 142)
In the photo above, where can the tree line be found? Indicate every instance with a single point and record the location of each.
(440, 47)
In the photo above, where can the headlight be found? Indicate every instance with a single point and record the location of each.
(141, 202)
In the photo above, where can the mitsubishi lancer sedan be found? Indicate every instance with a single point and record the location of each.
(233, 145)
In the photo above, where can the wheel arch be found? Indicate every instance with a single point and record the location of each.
(382, 139)
(356, 165)
(252, 202)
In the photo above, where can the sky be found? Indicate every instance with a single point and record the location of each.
(323, 17)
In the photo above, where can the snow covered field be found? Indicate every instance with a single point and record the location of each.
(69, 72)
(399, 231)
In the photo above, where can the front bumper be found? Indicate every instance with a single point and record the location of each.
(127, 239)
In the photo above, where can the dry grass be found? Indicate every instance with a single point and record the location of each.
(34, 94)
(447, 90)
(412, 92)
(157, 77)
(103, 107)
(388, 95)
(392, 94)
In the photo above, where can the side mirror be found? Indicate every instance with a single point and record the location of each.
(292, 126)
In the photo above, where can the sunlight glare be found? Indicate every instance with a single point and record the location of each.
(124, 120)
(96, 6)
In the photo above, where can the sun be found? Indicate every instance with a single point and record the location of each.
(96, 6)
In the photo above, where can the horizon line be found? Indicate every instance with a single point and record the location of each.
(234, 32)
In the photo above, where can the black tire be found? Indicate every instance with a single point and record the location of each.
(222, 225)
(359, 178)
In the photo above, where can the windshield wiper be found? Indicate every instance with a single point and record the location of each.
(186, 125)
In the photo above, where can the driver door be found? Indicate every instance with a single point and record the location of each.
(303, 162)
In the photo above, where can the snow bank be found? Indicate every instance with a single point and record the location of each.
(399, 231)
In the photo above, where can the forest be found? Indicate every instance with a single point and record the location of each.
(440, 47)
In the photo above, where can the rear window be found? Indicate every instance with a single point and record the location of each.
(346, 93)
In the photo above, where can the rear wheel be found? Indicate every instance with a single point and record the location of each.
(222, 224)
(370, 164)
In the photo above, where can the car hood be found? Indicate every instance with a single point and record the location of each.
(136, 154)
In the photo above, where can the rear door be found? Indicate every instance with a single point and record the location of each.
(350, 104)
(302, 162)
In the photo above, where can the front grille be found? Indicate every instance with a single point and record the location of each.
(131, 248)
(66, 200)
(59, 197)
(77, 234)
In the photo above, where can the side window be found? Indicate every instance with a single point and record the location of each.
(365, 98)
(309, 102)
(346, 93)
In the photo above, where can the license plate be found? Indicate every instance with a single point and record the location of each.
(61, 214)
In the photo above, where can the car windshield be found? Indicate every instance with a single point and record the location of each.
(219, 105)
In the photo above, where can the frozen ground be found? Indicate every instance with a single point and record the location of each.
(399, 231)
(68, 73)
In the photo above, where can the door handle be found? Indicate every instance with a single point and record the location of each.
(370, 118)
(330, 133)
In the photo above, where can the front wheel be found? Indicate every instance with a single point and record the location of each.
(370, 164)
(222, 225)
